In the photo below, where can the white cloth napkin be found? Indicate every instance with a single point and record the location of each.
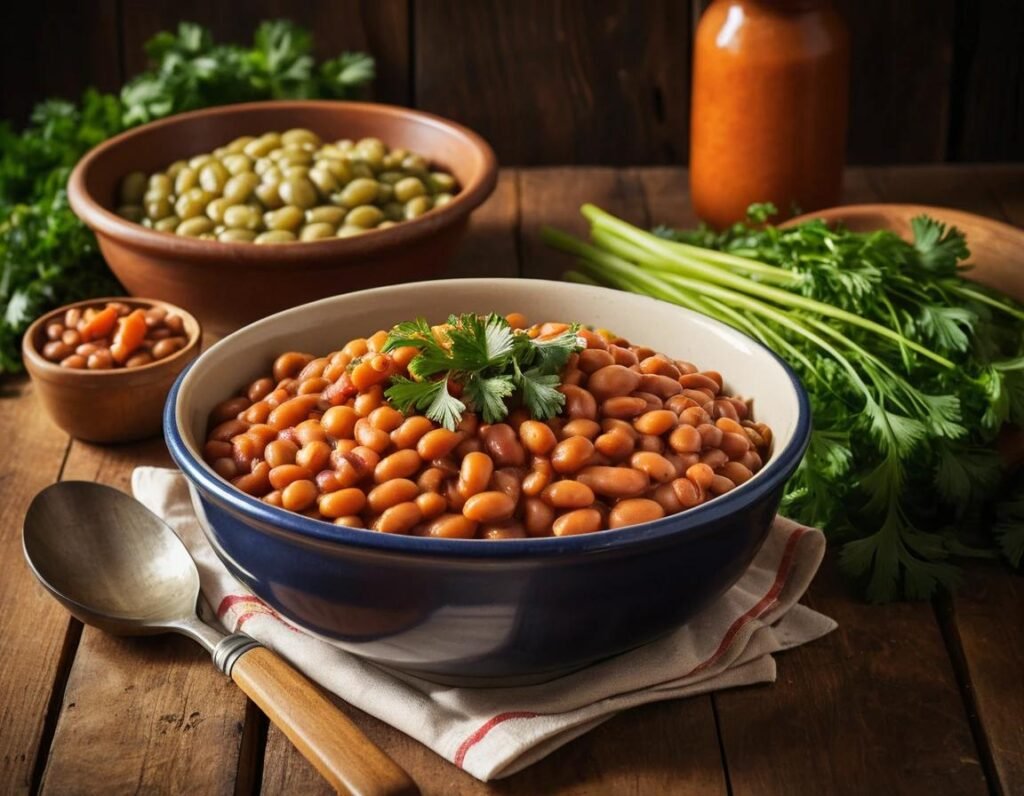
(495, 732)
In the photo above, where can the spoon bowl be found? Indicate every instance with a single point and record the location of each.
(124, 571)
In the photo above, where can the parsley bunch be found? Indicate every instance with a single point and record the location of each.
(911, 371)
(486, 362)
(48, 256)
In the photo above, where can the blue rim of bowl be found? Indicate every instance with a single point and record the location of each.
(694, 520)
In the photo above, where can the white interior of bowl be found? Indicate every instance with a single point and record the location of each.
(326, 325)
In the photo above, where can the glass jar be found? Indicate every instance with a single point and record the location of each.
(768, 115)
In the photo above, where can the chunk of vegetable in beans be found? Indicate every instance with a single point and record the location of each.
(640, 436)
(114, 335)
(284, 187)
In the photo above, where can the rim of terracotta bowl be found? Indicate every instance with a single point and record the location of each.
(305, 530)
(483, 179)
(45, 368)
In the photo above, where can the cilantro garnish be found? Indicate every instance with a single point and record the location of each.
(491, 363)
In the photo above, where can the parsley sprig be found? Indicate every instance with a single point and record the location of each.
(486, 361)
(911, 370)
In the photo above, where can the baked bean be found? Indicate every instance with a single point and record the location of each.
(634, 511)
(76, 361)
(140, 359)
(284, 474)
(216, 449)
(475, 474)
(701, 474)
(538, 517)
(654, 465)
(571, 454)
(687, 493)
(260, 389)
(540, 475)
(686, 439)
(611, 381)
(57, 350)
(651, 442)
(342, 502)
(751, 460)
(503, 530)
(450, 526)
(734, 445)
(755, 439)
(657, 422)
(368, 400)
(568, 495)
(700, 381)
(579, 403)
(385, 418)
(651, 402)
(431, 504)
(508, 480)
(273, 498)
(257, 413)
(615, 444)
(729, 424)
(592, 359)
(390, 493)
(720, 485)
(659, 365)
(313, 456)
(370, 437)
(677, 403)
(411, 431)
(228, 429)
(578, 521)
(280, 451)
(299, 495)
(537, 437)
(694, 416)
(101, 360)
(624, 407)
(356, 465)
(581, 427)
(339, 421)
(502, 446)
(310, 431)
(289, 365)
(665, 496)
(724, 408)
(736, 472)
(614, 482)
(400, 464)
(437, 443)
(714, 458)
(489, 507)
(225, 468)
(661, 386)
(350, 521)
(256, 482)
(399, 519)
(228, 409)
(431, 480)
(622, 356)
(292, 412)
(710, 436)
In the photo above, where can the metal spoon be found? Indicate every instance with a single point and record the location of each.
(115, 565)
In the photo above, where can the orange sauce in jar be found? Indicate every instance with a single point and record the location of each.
(768, 116)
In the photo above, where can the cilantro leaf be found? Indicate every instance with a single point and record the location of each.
(489, 394)
(430, 397)
(540, 393)
(940, 248)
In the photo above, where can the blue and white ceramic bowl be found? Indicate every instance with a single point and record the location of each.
(486, 612)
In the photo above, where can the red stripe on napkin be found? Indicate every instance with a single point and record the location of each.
(485, 728)
(759, 609)
(762, 606)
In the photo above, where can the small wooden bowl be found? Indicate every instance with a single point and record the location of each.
(228, 285)
(115, 405)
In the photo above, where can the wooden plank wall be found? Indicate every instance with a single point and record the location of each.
(570, 81)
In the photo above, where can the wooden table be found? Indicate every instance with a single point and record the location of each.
(906, 698)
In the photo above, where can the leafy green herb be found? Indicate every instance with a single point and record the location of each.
(47, 256)
(491, 363)
(910, 368)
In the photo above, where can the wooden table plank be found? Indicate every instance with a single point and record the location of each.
(982, 621)
(490, 247)
(138, 714)
(33, 628)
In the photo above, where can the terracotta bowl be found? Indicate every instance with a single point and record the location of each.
(230, 284)
(116, 405)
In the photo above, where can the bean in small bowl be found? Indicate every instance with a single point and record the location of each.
(113, 335)
(103, 367)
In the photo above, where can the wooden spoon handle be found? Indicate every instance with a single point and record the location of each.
(324, 735)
